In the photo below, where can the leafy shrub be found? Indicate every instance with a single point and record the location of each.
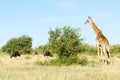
(115, 48)
(22, 44)
(83, 61)
(63, 62)
(41, 49)
(85, 48)
(65, 41)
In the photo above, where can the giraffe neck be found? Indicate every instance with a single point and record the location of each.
(95, 28)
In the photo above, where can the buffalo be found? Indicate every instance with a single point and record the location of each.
(47, 53)
(14, 54)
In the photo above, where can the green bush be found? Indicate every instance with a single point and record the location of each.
(65, 41)
(63, 62)
(85, 48)
(41, 49)
(115, 48)
(83, 61)
(22, 44)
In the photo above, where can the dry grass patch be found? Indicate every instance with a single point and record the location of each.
(22, 68)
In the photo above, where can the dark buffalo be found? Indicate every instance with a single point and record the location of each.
(14, 54)
(47, 53)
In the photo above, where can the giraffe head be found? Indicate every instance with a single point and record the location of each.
(88, 20)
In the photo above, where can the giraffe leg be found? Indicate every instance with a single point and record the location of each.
(105, 55)
(98, 50)
(101, 53)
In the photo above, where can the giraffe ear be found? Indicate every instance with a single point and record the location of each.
(89, 17)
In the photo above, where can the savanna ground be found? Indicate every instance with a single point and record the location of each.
(24, 68)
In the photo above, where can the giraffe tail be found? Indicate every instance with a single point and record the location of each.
(108, 54)
(108, 51)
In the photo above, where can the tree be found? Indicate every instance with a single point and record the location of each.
(22, 44)
(65, 41)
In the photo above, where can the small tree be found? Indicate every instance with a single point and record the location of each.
(22, 44)
(65, 41)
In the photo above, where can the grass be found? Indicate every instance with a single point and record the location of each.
(63, 62)
(23, 68)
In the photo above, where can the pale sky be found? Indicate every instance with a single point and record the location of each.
(35, 17)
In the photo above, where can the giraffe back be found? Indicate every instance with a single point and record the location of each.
(102, 39)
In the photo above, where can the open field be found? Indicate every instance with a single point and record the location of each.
(23, 68)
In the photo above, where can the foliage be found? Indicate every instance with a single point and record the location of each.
(22, 44)
(65, 41)
(41, 49)
(64, 62)
(91, 50)
(115, 48)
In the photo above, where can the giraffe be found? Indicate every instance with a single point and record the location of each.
(102, 43)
